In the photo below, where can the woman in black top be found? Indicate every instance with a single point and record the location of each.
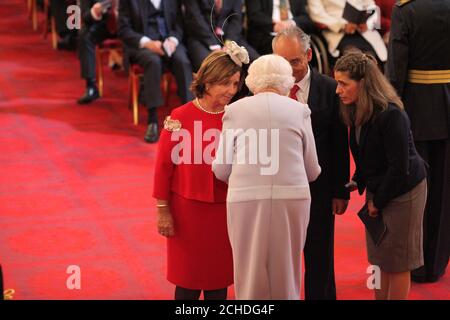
(387, 165)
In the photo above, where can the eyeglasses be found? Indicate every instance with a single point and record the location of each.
(295, 62)
(298, 61)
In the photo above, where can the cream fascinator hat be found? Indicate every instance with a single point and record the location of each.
(238, 54)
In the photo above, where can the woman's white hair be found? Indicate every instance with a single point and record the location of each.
(270, 72)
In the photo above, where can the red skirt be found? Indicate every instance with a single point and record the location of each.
(199, 254)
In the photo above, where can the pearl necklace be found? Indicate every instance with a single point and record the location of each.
(203, 109)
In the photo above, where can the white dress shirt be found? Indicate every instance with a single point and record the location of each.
(276, 11)
(304, 84)
(156, 3)
(145, 39)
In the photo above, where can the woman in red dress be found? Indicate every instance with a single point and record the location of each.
(191, 202)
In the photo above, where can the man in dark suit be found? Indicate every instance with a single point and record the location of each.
(203, 34)
(95, 30)
(268, 17)
(419, 68)
(328, 193)
(152, 32)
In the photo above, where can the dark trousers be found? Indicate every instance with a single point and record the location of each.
(436, 224)
(154, 66)
(198, 51)
(319, 251)
(89, 37)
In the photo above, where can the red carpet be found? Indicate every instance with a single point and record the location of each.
(76, 181)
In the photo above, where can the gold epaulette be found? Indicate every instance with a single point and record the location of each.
(428, 76)
(403, 2)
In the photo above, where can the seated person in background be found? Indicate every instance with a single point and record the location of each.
(68, 38)
(342, 34)
(226, 21)
(152, 33)
(386, 13)
(95, 30)
(268, 17)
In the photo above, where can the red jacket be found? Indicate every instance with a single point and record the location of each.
(195, 181)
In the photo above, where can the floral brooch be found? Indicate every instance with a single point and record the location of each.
(172, 125)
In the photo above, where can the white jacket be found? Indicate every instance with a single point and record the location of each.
(283, 149)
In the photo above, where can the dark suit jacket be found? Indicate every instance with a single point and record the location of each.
(420, 40)
(331, 137)
(133, 20)
(387, 162)
(198, 24)
(259, 14)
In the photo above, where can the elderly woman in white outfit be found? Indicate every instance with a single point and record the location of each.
(267, 154)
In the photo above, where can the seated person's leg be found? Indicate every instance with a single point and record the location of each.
(180, 66)
(152, 65)
(89, 37)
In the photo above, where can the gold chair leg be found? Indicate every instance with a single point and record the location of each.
(135, 94)
(54, 34)
(29, 8)
(34, 14)
(130, 89)
(99, 65)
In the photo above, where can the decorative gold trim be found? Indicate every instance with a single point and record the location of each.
(8, 294)
(403, 2)
(429, 76)
(429, 72)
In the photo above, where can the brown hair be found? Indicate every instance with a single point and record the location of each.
(215, 69)
(375, 91)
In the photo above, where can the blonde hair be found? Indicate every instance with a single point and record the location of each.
(215, 69)
(375, 91)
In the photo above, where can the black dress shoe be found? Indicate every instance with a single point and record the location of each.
(152, 134)
(90, 95)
